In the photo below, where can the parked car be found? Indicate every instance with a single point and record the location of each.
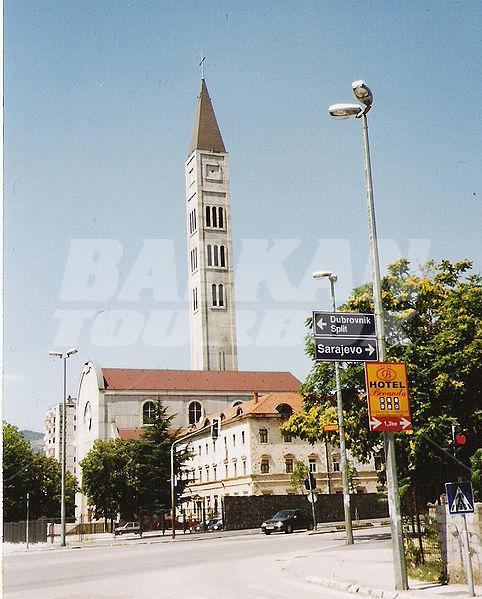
(287, 521)
(215, 524)
(129, 527)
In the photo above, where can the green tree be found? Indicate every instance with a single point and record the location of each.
(131, 478)
(27, 472)
(17, 470)
(108, 478)
(152, 459)
(476, 463)
(45, 488)
(353, 477)
(298, 476)
(433, 323)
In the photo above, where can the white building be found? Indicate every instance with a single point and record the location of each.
(53, 434)
(118, 402)
(252, 457)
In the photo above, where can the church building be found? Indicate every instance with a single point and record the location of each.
(118, 402)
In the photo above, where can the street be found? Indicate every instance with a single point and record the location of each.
(249, 566)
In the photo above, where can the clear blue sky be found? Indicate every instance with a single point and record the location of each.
(100, 100)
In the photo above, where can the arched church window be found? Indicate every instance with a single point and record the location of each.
(210, 254)
(222, 256)
(148, 412)
(215, 217)
(208, 216)
(221, 295)
(216, 255)
(195, 412)
(221, 217)
(214, 290)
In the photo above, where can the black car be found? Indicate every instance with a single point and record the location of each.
(287, 521)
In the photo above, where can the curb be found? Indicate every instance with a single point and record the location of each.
(355, 588)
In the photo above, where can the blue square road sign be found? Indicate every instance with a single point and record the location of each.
(460, 497)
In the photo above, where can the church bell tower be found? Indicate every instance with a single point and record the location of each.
(211, 285)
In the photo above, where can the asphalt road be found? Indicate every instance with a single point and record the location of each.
(242, 567)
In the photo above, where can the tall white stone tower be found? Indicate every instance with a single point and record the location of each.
(211, 286)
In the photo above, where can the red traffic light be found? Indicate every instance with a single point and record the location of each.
(460, 439)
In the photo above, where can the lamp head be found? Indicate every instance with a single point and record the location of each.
(362, 92)
(325, 274)
(71, 352)
(343, 111)
(55, 353)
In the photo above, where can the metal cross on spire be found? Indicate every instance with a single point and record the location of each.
(201, 64)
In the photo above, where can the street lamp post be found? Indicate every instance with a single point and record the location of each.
(341, 422)
(364, 95)
(63, 462)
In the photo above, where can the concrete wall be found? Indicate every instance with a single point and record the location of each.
(451, 530)
(249, 512)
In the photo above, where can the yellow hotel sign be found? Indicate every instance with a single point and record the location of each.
(387, 393)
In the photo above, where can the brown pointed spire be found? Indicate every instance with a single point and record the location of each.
(206, 134)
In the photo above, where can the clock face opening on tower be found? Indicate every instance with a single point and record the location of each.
(214, 172)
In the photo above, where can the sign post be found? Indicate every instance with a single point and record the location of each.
(460, 499)
(387, 394)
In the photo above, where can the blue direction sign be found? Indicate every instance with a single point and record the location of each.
(343, 324)
(460, 497)
(345, 349)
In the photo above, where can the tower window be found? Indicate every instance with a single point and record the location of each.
(148, 412)
(194, 300)
(193, 259)
(216, 255)
(192, 221)
(265, 465)
(195, 411)
(214, 217)
(263, 435)
(218, 296)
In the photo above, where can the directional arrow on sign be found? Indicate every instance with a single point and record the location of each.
(321, 324)
(404, 422)
(374, 423)
(345, 349)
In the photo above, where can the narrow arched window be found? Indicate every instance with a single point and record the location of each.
(195, 411)
(221, 217)
(222, 256)
(208, 216)
(216, 255)
(221, 295)
(215, 295)
(210, 255)
(148, 412)
(215, 217)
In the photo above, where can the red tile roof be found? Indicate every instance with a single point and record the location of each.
(130, 379)
(130, 434)
(264, 405)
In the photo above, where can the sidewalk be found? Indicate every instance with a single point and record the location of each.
(366, 568)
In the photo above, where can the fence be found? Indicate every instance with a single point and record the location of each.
(16, 532)
(249, 511)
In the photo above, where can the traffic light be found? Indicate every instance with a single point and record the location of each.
(311, 482)
(215, 428)
(459, 437)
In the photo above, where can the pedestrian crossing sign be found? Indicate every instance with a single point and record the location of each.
(460, 497)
